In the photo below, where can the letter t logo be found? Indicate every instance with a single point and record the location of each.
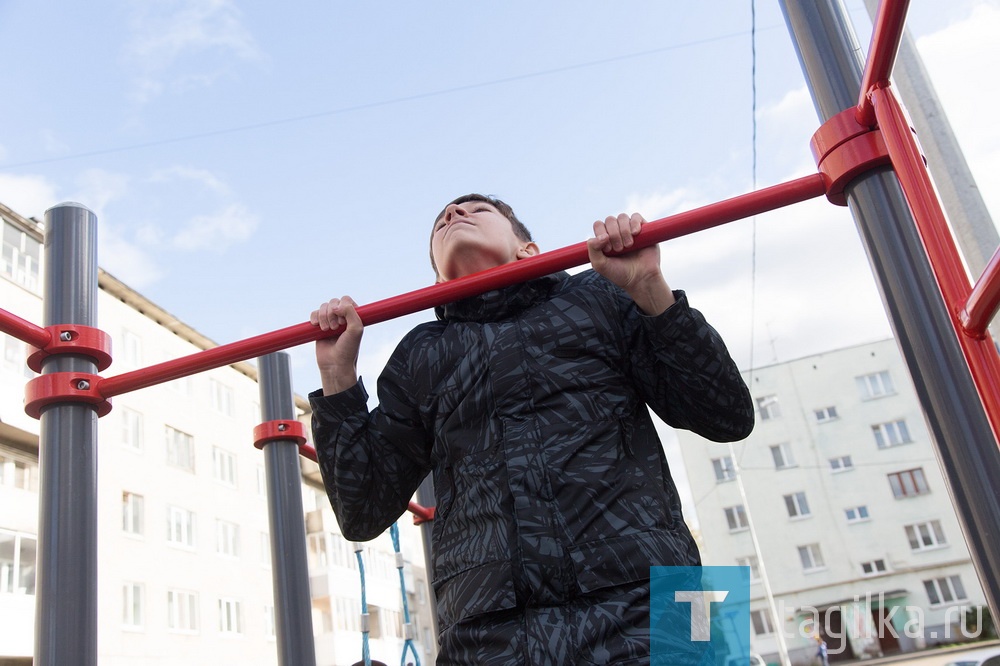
(700, 629)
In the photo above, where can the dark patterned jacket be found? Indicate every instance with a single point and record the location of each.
(529, 406)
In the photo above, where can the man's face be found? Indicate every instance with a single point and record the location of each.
(474, 236)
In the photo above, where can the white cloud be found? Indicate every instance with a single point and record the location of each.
(52, 144)
(99, 187)
(167, 33)
(203, 177)
(27, 195)
(126, 260)
(233, 224)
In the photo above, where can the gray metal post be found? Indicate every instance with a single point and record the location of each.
(289, 566)
(967, 450)
(66, 585)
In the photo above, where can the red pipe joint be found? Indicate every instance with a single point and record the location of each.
(421, 514)
(63, 387)
(844, 149)
(271, 431)
(73, 339)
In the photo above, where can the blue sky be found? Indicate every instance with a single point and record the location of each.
(250, 160)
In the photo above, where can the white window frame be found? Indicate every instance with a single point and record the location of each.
(131, 348)
(857, 514)
(181, 528)
(875, 385)
(133, 606)
(891, 433)
(133, 514)
(841, 464)
(781, 455)
(27, 255)
(230, 616)
(928, 535)
(182, 611)
(797, 506)
(753, 564)
(180, 449)
(132, 429)
(227, 538)
(874, 567)
(826, 414)
(17, 576)
(724, 468)
(264, 549)
(18, 471)
(224, 467)
(768, 407)
(811, 558)
(945, 590)
(736, 518)
(223, 399)
(762, 622)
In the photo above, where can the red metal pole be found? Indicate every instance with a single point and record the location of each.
(932, 225)
(984, 301)
(706, 217)
(23, 329)
(886, 35)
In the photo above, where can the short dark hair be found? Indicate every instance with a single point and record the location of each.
(520, 230)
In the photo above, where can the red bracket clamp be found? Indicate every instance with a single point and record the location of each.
(73, 339)
(270, 431)
(844, 149)
(63, 387)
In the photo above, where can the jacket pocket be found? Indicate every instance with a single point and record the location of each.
(627, 559)
(482, 589)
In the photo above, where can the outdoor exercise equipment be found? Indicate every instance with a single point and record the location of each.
(868, 159)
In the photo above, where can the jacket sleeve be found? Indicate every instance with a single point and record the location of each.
(371, 461)
(684, 372)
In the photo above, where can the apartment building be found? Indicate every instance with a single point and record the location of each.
(184, 552)
(857, 535)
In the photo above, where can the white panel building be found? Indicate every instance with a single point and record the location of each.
(858, 537)
(184, 553)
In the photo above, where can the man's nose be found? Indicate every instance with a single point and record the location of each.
(454, 210)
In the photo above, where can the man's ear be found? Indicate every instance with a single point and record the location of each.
(529, 250)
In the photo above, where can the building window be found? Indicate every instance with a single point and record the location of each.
(269, 627)
(230, 617)
(264, 549)
(222, 397)
(946, 590)
(18, 472)
(318, 556)
(762, 623)
(132, 603)
(841, 464)
(857, 514)
(751, 563)
(180, 527)
(224, 466)
(17, 562)
(908, 483)
(737, 518)
(15, 355)
(796, 505)
(21, 257)
(131, 429)
(132, 514)
(227, 538)
(811, 557)
(180, 449)
(768, 407)
(892, 433)
(261, 482)
(781, 454)
(873, 568)
(724, 469)
(825, 414)
(875, 385)
(926, 536)
(182, 611)
(131, 348)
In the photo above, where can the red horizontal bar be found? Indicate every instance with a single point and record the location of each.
(706, 217)
(953, 281)
(24, 330)
(887, 32)
(984, 301)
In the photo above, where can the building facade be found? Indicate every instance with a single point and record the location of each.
(857, 535)
(184, 552)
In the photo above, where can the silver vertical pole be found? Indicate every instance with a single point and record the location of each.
(66, 585)
(289, 566)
